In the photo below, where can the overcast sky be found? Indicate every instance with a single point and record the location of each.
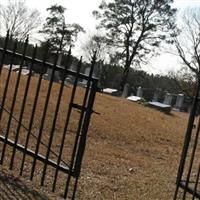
(80, 11)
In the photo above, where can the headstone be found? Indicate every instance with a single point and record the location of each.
(109, 90)
(155, 96)
(24, 72)
(73, 67)
(168, 99)
(139, 92)
(98, 69)
(160, 106)
(56, 76)
(87, 71)
(15, 67)
(84, 81)
(134, 98)
(179, 101)
(59, 59)
(125, 91)
(71, 78)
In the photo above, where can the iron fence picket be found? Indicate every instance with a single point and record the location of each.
(192, 159)
(13, 101)
(67, 122)
(23, 107)
(185, 182)
(34, 106)
(7, 80)
(80, 125)
(44, 116)
(196, 183)
(55, 118)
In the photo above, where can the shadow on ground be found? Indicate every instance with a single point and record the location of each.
(12, 188)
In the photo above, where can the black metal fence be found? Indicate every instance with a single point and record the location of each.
(187, 184)
(44, 124)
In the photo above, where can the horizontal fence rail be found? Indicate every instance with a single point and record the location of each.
(44, 117)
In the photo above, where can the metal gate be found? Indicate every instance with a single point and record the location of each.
(43, 123)
(187, 184)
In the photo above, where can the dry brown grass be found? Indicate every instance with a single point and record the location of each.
(132, 151)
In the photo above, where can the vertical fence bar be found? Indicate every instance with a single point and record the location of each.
(192, 159)
(43, 117)
(4, 52)
(8, 80)
(34, 107)
(13, 102)
(83, 136)
(23, 107)
(55, 118)
(80, 125)
(67, 123)
(187, 140)
(196, 183)
(45, 107)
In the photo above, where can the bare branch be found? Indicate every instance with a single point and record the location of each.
(19, 19)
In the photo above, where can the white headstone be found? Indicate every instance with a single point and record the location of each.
(179, 101)
(59, 59)
(125, 91)
(87, 71)
(139, 92)
(168, 99)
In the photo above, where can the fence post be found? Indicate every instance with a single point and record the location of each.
(187, 140)
(83, 137)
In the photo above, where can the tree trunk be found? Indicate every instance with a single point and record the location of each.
(125, 75)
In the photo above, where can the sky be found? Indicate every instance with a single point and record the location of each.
(80, 11)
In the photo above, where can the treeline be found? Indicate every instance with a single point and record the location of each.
(110, 75)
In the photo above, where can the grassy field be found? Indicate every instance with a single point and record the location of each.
(132, 151)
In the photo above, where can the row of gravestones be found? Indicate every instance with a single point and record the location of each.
(97, 72)
(167, 100)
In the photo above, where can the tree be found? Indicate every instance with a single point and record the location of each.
(187, 42)
(56, 30)
(95, 43)
(19, 19)
(184, 80)
(135, 28)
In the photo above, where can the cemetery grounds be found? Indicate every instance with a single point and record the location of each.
(132, 153)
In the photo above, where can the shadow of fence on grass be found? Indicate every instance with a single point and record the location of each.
(13, 189)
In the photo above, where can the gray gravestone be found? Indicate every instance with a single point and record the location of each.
(179, 101)
(155, 96)
(71, 78)
(98, 69)
(56, 76)
(125, 91)
(139, 91)
(168, 99)
(87, 71)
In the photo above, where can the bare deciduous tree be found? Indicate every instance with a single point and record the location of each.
(95, 43)
(188, 41)
(16, 17)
